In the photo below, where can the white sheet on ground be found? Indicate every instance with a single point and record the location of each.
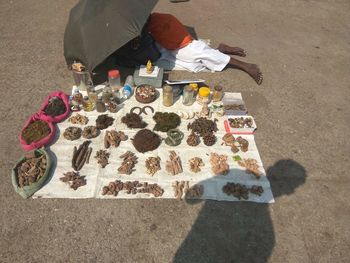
(98, 177)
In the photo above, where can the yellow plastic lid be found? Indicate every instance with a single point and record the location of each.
(204, 92)
(194, 86)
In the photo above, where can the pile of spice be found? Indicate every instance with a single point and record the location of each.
(134, 187)
(219, 164)
(209, 139)
(146, 140)
(72, 133)
(241, 191)
(79, 119)
(183, 188)
(112, 106)
(203, 126)
(234, 106)
(104, 121)
(251, 166)
(102, 158)
(173, 165)
(166, 121)
(81, 155)
(73, 179)
(35, 131)
(55, 107)
(128, 164)
(195, 164)
(241, 122)
(113, 138)
(152, 165)
(133, 121)
(31, 169)
(235, 143)
(193, 139)
(90, 132)
(145, 93)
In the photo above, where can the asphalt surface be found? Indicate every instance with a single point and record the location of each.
(302, 111)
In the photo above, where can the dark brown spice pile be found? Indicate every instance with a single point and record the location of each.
(55, 107)
(241, 191)
(203, 126)
(73, 179)
(104, 121)
(134, 187)
(146, 140)
(133, 121)
(31, 170)
(209, 139)
(166, 121)
(35, 131)
(193, 139)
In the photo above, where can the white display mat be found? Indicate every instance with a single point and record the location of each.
(98, 177)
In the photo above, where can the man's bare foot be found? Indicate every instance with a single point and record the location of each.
(232, 50)
(254, 71)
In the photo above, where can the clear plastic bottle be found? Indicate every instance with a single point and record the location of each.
(128, 87)
(114, 79)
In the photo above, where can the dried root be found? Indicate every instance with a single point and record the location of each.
(153, 165)
(134, 187)
(113, 138)
(102, 158)
(173, 165)
(73, 179)
(219, 164)
(129, 161)
(193, 139)
(183, 189)
(251, 166)
(195, 164)
(90, 132)
(31, 170)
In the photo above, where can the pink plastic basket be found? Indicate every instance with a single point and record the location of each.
(40, 143)
(64, 98)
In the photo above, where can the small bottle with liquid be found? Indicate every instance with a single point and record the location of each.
(87, 104)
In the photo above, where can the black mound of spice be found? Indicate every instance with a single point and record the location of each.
(55, 107)
(104, 121)
(145, 140)
(133, 121)
(35, 131)
(166, 121)
(203, 126)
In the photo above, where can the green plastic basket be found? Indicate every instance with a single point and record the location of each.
(28, 191)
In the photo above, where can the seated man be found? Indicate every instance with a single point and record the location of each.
(179, 48)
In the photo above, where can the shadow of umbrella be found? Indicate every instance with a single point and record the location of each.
(239, 231)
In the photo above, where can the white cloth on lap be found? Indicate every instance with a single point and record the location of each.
(195, 57)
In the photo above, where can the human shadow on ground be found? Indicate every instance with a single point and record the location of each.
(239, 231)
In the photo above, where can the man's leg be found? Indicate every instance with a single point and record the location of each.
(252, 69)
(226, 49)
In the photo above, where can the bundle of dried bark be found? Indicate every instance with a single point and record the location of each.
(73, 179)
(129, 161)
(81, 155)
(173, 165)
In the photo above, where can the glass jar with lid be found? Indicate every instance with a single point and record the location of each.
(187, 97)
(107, 94)
(168, 96)
(218, 93)
(87, 104)
(203, 95)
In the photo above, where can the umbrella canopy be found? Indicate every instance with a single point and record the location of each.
(97, 28)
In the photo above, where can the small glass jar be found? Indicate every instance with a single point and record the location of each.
(87, 104)
(194, 86)
(100, 105)
(187, 97)
(92, 95)
(107, 94)
(77, 97)
(203, 95)
(218, 94)
(114, 79)
(168, 96)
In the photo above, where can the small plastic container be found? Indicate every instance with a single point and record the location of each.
(240, 130)
(203, 95)
(114, 79)
(218, 93)
(234, 106)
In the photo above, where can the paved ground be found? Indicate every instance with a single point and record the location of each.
(302, 110)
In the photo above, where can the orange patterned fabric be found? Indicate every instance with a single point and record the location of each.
(168, 31)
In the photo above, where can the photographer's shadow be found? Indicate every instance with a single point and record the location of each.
(239, 231)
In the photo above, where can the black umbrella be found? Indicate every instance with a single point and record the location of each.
(97, 28)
